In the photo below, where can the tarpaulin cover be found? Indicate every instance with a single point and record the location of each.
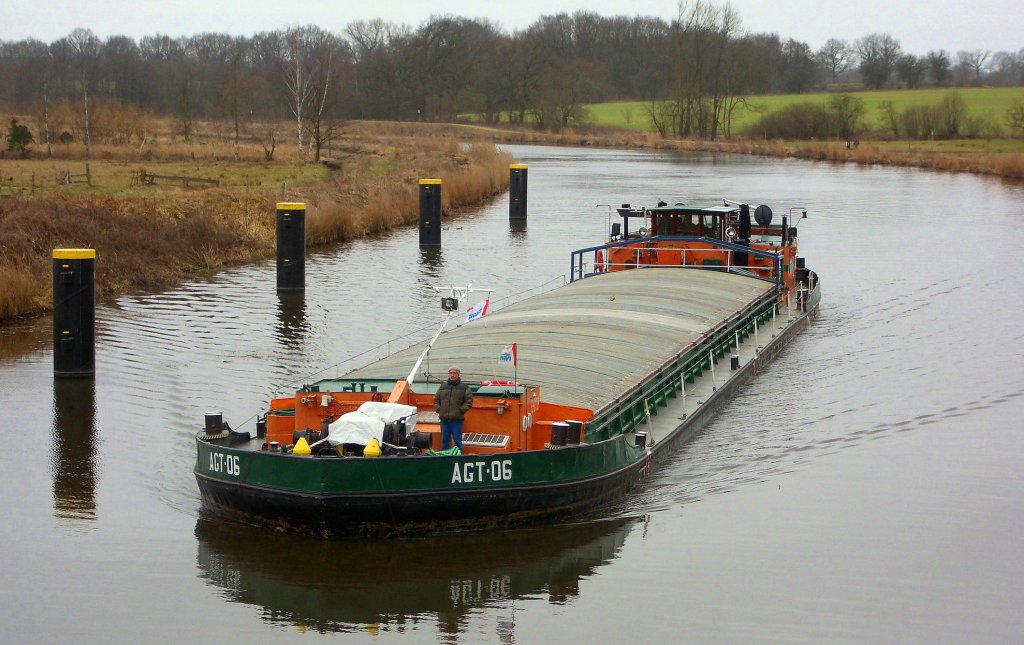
(368, 422)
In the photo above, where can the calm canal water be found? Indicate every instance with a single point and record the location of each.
(867, 487)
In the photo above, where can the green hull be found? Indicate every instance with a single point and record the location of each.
(340, 496)
(325, 477)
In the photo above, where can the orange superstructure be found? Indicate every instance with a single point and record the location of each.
(721, 238)
(511, 415)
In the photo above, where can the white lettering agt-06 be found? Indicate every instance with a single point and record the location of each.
(480, 471)
(227, 464)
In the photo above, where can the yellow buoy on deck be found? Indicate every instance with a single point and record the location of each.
(372, 449)
(301, 447)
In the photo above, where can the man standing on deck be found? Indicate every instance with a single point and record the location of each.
(452, 401)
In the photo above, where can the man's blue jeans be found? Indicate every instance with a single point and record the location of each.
(451, 431)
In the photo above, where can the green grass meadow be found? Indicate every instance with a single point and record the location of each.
(985, 102)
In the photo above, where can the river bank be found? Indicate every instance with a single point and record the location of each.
(1001, 158)
(152, 237)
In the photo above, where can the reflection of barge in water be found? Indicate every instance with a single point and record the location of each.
(610, 356)
(340, 585)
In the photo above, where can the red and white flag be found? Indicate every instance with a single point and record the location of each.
(479, 310)
(508, 355)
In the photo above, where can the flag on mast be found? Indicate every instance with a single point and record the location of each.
(479, 310)
(508, 355)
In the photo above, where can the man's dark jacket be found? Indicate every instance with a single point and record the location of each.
(453, 400)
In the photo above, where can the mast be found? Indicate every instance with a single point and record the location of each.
(450, 304)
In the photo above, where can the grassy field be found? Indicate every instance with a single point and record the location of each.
(984, 102)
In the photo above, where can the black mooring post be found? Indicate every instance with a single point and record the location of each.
(291, 246)
(430, 212)
(74, 312)
(517, 176)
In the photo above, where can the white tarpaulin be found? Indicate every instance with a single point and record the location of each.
(368, 422)
(390, 412)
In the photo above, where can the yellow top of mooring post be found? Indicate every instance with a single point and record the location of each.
(518, 166)
(291, 206)
(74, 254)
(429, 181)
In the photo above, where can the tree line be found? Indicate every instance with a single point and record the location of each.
(691, 71)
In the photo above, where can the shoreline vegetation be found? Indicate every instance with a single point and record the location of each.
(997, 157)
(151, 236)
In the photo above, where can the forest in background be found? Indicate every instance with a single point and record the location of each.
(692, 75)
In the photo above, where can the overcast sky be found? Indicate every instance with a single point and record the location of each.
(919, 25)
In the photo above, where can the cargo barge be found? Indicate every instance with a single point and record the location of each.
(655, 330)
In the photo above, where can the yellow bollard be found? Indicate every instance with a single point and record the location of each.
(301, 447)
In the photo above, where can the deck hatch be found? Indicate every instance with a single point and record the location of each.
(586, 344)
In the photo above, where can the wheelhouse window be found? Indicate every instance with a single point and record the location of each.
(710, 225)
(691, 225)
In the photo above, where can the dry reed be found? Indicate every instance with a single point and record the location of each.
(153, 241)
(17, 293)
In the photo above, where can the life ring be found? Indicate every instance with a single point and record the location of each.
(500, 381)
(599, 264)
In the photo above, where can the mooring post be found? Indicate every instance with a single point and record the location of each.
(430, 212)
(517, 176)
(74, 312)
(291, 246)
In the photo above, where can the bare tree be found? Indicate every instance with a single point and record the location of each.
(494, 85)
(528, 62)
(297, 57)
(1005, 69)
(937, 62)
(878, 54)
(327, 66)
(85, 46)
(41, 109)
(565, 89)
(270, 142)
(234, 86)
(972, 62)
(835, 57)
(450, 52)
(911, 69)
(387, 83)
(799, 70)
(703, 36)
